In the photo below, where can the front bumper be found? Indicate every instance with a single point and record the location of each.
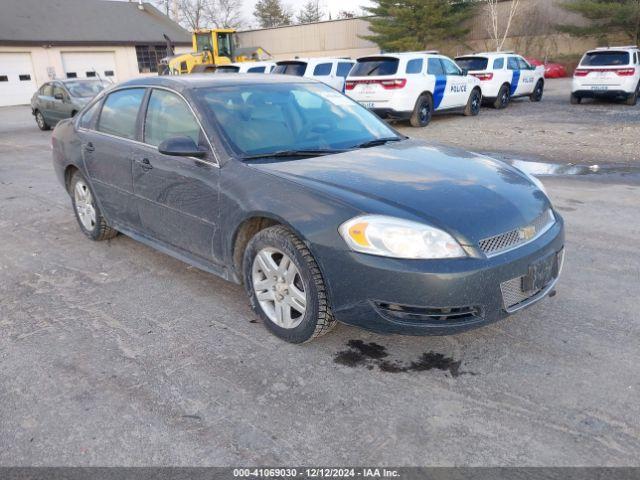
(435, 297)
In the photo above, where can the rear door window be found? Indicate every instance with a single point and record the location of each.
(291, 68)
(414, 65)
(498, 63)
(375, 66)
(322, 69)
(605, 58)
(120, 112)
(344, 68)
(256, 70)
(472, 63)
(169, 116)
(434, 67)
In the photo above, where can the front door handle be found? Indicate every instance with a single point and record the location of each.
(145, 164)
(89, 147)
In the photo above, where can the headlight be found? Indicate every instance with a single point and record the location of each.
(398, 238)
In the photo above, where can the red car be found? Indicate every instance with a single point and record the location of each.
(551, 70)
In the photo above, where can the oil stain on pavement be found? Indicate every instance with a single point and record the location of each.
(371, 355)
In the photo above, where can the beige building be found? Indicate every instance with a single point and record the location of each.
(109, 40)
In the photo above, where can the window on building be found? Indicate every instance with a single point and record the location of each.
(90, 74)
(108, 73)
(72, 75)
(4, 78)
(25, 77)
(149, 57)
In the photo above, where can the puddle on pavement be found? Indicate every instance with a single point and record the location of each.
(543, 168)
(371, 355)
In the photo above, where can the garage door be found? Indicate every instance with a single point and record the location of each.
(17, 82)
(89, 65)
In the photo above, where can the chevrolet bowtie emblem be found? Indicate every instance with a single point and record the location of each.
(526, 233)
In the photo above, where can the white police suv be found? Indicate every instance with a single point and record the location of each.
(332, 71)
(504, 75)
(411, 86)
(610, 72)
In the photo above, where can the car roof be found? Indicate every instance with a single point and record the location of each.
(488, 54)
(315, 59)
(609, 49)
(403, 55)
(199, 80)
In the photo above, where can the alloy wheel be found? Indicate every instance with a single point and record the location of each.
(279, 288)
(84, 205)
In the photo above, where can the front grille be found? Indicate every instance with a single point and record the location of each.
(519, 236)
(428, 314)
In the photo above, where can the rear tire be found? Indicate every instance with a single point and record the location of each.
(633, 99)
(575, 99)
(285, 286)
(422, 111)
(473, 104)
(87, 212)
(536, 96)
(42, 123)
(503, 98)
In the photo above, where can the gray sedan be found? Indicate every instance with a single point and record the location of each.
(60, 99)
(320, 209)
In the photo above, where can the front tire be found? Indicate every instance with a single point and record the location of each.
(42, 123)
(88, 214)
(538, 91)
(575, 99)
(285, 286)
(422, 111)
(473, 104)
(503, 98)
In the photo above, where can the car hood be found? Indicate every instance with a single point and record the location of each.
(470, 195)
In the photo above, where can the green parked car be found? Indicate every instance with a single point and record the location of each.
(60, 99)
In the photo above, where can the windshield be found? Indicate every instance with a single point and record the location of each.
(227, 69)
(261, 119)
(375, 66)
(597, 59)
(291, 68)
(472, 63)
(84, 89)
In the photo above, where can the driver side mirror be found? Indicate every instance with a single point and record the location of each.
(181, 147)
(58, 96)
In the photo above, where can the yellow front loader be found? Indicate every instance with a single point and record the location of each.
(211, 48)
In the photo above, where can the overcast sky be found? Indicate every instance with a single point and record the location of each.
(328, 6)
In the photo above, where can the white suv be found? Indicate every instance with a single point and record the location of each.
(411, 86)
(246, 67)
(332, 71)
(504, 75)
(611, 72)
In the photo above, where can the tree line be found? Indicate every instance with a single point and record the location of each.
(398, 25)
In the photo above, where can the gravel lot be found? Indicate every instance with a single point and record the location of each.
(552, 130)
(114, 354)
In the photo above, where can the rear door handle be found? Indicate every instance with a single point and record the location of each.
(89, 147)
